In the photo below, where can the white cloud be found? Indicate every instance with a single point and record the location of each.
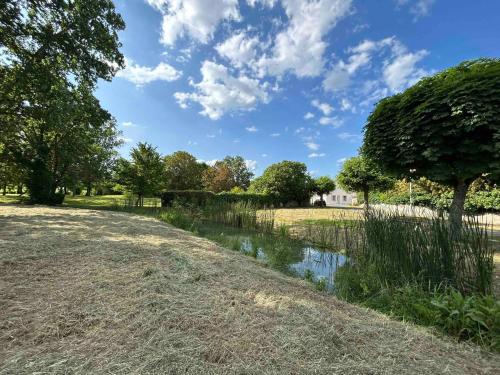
(197, 19)
(316, 155)
(211, 135)
(399, 68)
(268, 3)
(312, 146)
(308, 116)
(251, 164)
(419, 8)
(208, 162)
(264, 155)
(300, 130)
(300, 47)
(219, 92)
(251, 129)
(402, 71)
(141, 75)
(334, 121)
(125, 140)
(346, 105)
(341, 161)
(239, 49)
(129, 124)
(274, 134)
(323, 107)
(345, 136)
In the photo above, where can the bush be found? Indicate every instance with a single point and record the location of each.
(189, 197)
(319, 203)
(201, 198)
(475, 317)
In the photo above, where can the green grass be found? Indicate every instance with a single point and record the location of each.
(94, 201)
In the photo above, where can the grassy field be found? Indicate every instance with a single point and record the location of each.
(87, 291)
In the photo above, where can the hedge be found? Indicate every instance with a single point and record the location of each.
(202, 198)
(476, 202)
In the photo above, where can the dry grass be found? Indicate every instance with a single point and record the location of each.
(104, 292)
(296, 215)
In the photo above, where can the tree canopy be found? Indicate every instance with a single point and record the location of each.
(288, 180)
(183, 171)
(323, 185)
(143, 175)
(52, 54)
(445, 128)
(361, 174)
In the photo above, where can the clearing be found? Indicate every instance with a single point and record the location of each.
(85, 291)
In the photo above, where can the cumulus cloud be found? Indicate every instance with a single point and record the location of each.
(197, 19)
(333, 121)
(402, 71)
(239, 49)
(323, 107)
(251, 164)
(299, 48)
(142, 75)
(274, 134)
(419, 8)
(219, 92)
(316, 155)
(251, 129)
(308, 116)
(399, 68)
(312, 146)
(129, 124)
(345, 136)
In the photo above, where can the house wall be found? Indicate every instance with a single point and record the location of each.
(338, 198)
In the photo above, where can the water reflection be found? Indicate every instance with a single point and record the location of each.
(282, 253)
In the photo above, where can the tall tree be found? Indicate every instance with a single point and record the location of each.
(323, 185)
(183, 171)
(445, 128)
(53, 53)
(143, 174)
(218, 178)
(361, 174)
(240, 171)
(287, 180)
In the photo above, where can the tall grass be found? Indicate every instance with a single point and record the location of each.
(403, 249)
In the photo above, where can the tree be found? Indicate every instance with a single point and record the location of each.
(241, 173)
(183, 172)
(53, 53)
(445, 128)
(323, 185)
(218, 178)
(143, 175)
(361, 174)
(288, 180)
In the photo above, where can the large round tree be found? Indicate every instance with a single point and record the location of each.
(445, 128)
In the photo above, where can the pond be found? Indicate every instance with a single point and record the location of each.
(281, 252)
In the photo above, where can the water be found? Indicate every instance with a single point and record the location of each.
(288, 255)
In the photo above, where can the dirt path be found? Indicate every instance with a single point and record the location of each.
(101, 292)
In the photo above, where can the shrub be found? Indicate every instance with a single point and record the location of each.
(189, 197)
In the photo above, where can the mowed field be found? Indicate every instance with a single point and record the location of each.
(85, 291)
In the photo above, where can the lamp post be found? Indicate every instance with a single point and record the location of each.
(412, 170)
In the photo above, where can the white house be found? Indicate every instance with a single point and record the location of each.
(338, 198)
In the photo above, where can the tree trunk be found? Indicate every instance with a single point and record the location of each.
(89, 189)
(20, 189)
(365, 196)
(457, 205)
(4, 192)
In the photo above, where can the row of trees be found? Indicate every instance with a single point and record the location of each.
(52, 127)
(147, 172)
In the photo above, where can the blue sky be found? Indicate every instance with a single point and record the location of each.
(274, 80)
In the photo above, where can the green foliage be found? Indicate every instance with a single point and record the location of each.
(445, 128)
(143, 174)
(197, 198)
(323, 185)
(240, 171)
(288, 181)
(362, 174)
(183, 172)
(53, 53)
